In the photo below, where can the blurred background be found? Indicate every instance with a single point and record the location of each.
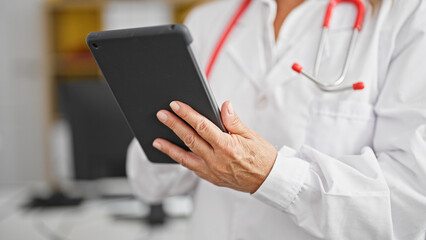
(63, 140)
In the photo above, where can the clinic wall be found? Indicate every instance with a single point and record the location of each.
(22, 92)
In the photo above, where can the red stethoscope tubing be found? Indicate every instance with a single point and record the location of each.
(242, 9)
(231, 25)
(359, 18)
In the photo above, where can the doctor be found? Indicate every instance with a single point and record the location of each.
(300, 162)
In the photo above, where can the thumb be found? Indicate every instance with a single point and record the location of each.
(232, 122)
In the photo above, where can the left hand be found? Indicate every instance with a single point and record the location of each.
(240, 160)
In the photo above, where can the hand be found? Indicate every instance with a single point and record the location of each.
(240, 160)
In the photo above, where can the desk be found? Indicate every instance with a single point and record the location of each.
(92, 220)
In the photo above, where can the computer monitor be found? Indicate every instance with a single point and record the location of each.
(100, 134)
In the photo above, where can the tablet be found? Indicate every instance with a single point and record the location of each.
(146, 69)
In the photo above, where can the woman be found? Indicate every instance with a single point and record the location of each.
(299, 162)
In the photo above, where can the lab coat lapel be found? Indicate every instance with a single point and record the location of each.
(244, 47)
(295, 45)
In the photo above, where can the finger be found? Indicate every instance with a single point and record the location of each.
(185, 158)
(191, 139)
(232, 122)
(204, 127)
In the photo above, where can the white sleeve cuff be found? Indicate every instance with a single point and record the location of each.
(284, 182)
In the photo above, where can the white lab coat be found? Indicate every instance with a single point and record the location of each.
(351, 164)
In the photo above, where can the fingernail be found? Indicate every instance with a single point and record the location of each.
(175, 107)
(230, 110)
(161, 116)
(157, 145)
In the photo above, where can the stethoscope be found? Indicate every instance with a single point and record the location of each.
(334, 86)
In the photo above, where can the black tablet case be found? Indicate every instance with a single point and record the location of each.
(146, 69)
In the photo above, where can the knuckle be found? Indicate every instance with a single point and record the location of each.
(172, 123)
(236, 121)
(189, 140)
(237, 155)
(232, 151)
(179, 158)
(229, 144)
(201, 125)
(184, 162)
(228, 148)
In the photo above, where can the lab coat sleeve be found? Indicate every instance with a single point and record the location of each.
(152, 182)
(381, 193)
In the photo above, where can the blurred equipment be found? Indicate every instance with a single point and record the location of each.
(100, 134)
(100, 137)
(55, 199)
